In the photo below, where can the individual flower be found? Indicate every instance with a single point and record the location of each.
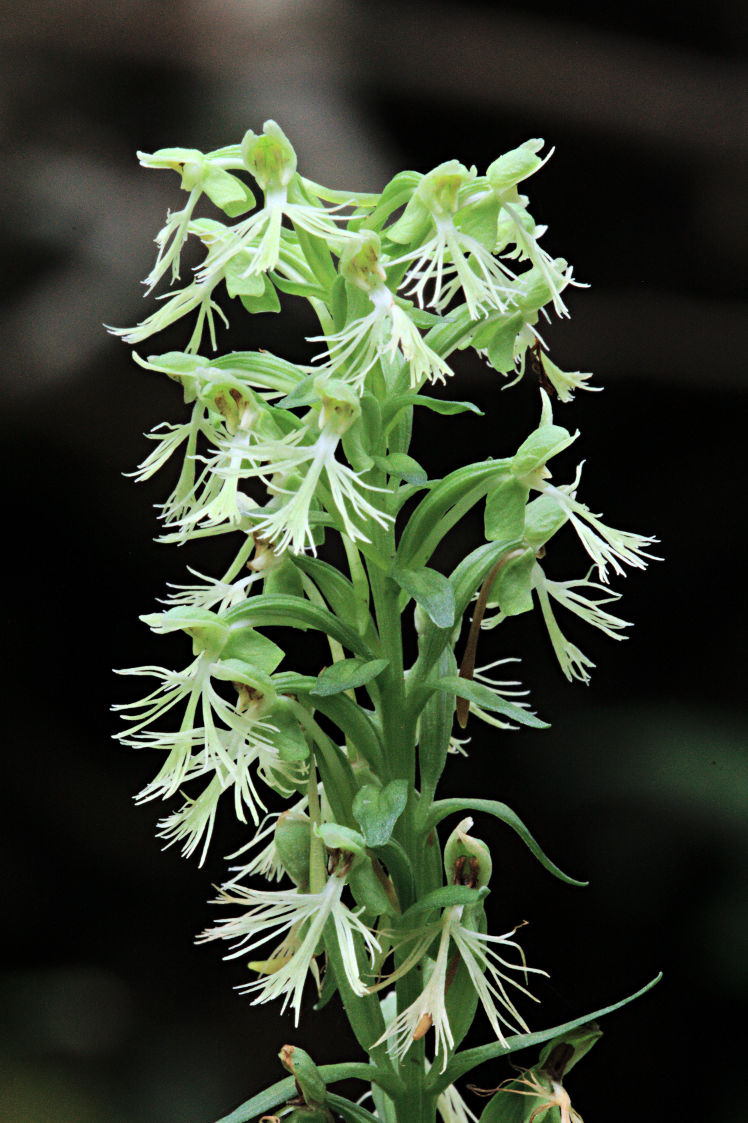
(486, 967)
(386, 331)
(449, 259)
(272, 161)
(216, 738)
(579, 596)
(300, 919)
(200, 174)
(604, 544)
(294, 471)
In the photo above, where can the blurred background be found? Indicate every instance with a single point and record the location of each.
(110, 1013)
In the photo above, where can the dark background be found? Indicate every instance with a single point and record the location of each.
(110, 1013)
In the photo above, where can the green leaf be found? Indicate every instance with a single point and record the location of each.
(351, 1112)
(504, 517)
(471, 1058)
(446, 503)
(268, 610)
(444, 898)
(431, 590)
(285, 1089)
(444, 807)
(497, 339)
(487, 699)
(376, 810)
(347, 674)
(402, 467)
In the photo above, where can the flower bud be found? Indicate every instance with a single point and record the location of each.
(293, 834)
(306, 1074)
(467, 860)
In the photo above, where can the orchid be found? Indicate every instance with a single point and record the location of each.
(327, 767)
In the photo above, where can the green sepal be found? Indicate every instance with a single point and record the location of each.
(266, 301)
(487, 699)
(498, 339)
(444, 807)
(291, 743)
(431, 590)
(445, 898)
(514, 166)
(305, 289)
(292, 838)
(337, 837)
(402, 467)
(504, 517)
(253, 285)
(368, 891)
(469, 1059)
(479, 219)
(251, 647)
(579, 1041)
(347, 674)
(512, 588)
(237, 671)
(547, 441)
(284, 579)
(543, 518)
(227, 191)
(304, 393)
(376, 810)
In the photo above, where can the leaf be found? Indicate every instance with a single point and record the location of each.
(402, 467)
(347, 674)
(436, 405)
(376, 810)
(431, 590)
(444, 807)
(471, 1058)
(445, 897)
(285, 1089)
(488, 699)
(351, 1112)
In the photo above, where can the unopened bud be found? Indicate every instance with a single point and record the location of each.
(467, 860)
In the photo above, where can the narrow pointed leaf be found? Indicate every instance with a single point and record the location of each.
(487, 699)
(347, 674)
(445, 807)
(431, 590)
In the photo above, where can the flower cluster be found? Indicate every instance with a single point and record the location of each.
(283, 458)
